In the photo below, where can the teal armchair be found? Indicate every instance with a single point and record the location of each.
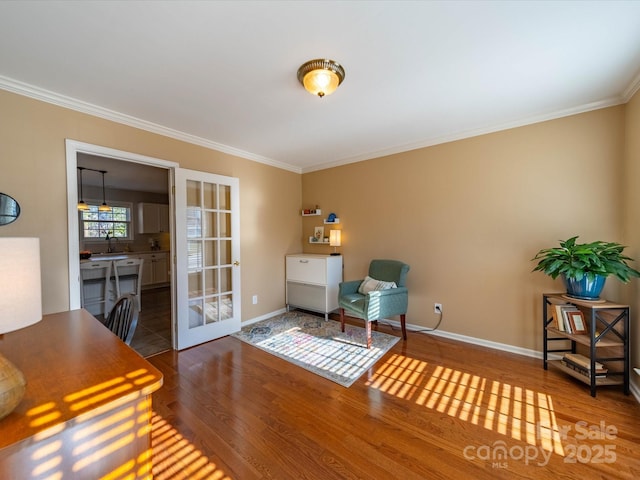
(377, 304)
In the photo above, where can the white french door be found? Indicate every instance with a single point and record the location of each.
(207, 239)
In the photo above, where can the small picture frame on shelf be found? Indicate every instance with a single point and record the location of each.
(318, 234)
(576, 319)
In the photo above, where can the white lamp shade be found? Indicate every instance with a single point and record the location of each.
(20, 287)
(334, 238)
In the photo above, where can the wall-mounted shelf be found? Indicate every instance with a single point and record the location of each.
(315, 242)
(315, 213)
(336, 221)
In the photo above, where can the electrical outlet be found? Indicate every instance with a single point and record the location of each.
(255, 299)
(437, 308)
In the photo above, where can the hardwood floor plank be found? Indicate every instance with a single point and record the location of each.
(430, 408)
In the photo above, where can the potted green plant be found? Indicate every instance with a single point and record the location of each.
(584, 267)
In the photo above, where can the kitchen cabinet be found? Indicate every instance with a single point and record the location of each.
(155, 268)
(153, 218)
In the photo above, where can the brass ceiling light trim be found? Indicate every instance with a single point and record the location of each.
(321, 76)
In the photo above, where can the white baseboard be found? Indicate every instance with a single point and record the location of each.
(473, 340)
(251, 321)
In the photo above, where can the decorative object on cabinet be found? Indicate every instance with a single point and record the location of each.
(9, 209)
(584, 267)
(20, 306)
(335, 240)
(607, 326)
(312, 282)
(377, 304)
(321, 76)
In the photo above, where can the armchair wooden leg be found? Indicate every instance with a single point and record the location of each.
(404, 326)
(368, 329)
(342, 318)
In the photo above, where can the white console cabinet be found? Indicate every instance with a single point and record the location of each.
(312, 282)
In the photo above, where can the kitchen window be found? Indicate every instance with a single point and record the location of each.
(95, 225)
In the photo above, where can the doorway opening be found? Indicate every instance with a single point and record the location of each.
(140, 186)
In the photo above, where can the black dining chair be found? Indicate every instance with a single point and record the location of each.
(123, 317)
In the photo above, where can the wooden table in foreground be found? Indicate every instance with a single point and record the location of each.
(86, 413)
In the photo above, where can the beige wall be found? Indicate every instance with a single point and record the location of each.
(469, 215)
(632, 219)
(32, 157)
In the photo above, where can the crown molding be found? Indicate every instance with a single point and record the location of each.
(631, 90)
(64, 101)
(43, 95)
(610, 102)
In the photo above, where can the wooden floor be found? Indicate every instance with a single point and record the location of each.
(431, 408)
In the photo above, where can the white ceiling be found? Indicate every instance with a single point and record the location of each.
(223, 73)
(123, 175)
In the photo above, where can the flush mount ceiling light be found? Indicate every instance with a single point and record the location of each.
(321, 77)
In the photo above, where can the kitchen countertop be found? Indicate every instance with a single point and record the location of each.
(96, 257)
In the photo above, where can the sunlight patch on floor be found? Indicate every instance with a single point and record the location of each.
(175, 458)
(513, 411)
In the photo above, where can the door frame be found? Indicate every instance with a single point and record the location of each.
(73, 147)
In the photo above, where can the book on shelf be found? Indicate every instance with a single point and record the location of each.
(563, 320)
(583, 362)
(583, 371)
(558, 319)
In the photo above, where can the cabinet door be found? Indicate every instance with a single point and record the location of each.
(307, 269)
(163, 218)
(148, 220)
(161, 270)
(153, 218)
(147, 269)
(308, 296)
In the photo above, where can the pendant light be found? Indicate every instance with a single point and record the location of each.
(82, 206)
(104, 207)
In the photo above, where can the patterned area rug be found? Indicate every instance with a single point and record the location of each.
(318, 345)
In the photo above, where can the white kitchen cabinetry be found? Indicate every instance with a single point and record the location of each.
(155, 269)
(312, 282)
(153, 218)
